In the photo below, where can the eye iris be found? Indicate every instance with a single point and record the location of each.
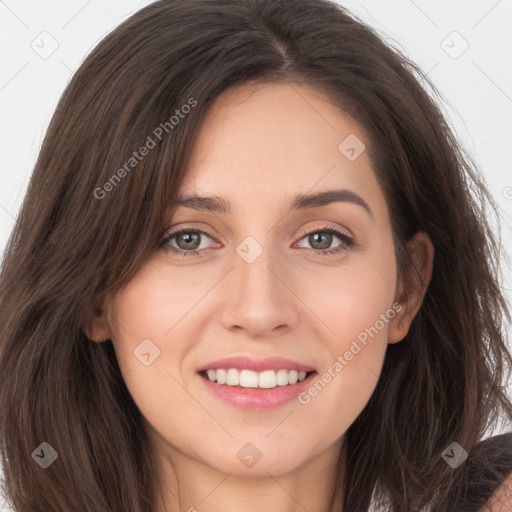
(325, 243)
(188, 238)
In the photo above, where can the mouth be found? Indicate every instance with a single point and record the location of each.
(256, 384)
(250, 379)
(251, 383)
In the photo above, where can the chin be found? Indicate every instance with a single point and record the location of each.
(258, 458)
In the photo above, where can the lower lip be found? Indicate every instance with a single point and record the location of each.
(257, 398)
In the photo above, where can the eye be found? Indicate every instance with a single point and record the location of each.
(320, 239)
(188, 240)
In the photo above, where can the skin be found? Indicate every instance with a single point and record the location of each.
(501, 501)
(258, 147)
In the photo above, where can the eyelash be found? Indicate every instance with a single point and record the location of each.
(347, 240)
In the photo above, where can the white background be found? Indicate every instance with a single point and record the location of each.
(477, 84)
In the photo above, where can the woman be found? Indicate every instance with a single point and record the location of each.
(253, 269)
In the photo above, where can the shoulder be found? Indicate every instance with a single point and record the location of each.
(501, 500)
(490, 473)
(484, 481)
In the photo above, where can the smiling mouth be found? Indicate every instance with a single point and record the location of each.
(267, 379)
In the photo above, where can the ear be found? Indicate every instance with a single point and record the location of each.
(411, 290)
(97, 327)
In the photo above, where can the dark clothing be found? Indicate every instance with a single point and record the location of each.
(487, 466)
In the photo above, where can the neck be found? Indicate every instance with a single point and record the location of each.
(189, 485)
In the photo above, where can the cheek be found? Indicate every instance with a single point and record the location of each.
(139, 318)
(356, 309)
(152, 307)
(153, 322)
(142, 317)
(351, 298)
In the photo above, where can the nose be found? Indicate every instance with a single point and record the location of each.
(262, 302)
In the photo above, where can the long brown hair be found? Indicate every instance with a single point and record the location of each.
(86, 226)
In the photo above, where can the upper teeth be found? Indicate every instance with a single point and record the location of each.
(251, 379)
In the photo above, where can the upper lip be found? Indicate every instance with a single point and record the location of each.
(257, 365)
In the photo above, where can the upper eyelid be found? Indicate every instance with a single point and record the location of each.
(327, 226)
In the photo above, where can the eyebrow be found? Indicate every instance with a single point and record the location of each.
(300, 202)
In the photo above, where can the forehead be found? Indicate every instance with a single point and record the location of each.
(266, 143)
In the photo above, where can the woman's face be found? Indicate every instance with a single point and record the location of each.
(262, 284)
